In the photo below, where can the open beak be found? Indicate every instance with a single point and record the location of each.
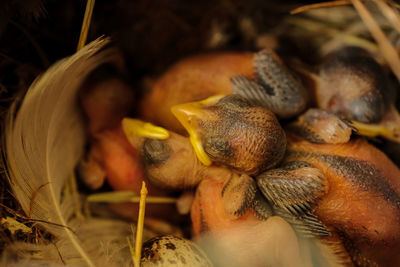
(134, 128)
(189, 114)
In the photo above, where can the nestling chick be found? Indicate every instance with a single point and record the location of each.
(352, 84)
(170, 162)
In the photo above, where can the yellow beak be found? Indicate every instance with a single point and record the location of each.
(134, 128)
(188, 115)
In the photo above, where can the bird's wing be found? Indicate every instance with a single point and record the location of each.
(274, 86)
(238, 194)
(308, 225)
(293, 190)
(294, 187)
(253, 91)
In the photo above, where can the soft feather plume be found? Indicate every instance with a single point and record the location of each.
(43, 141)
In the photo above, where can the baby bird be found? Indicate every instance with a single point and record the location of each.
(350, 83)
(171, 163)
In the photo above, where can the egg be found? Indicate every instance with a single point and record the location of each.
(171, 250)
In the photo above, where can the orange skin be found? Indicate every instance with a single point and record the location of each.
(370, 221)
(207, 212)
(120, 160)
(193, 79)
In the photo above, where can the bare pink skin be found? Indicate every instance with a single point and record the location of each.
(120, 160)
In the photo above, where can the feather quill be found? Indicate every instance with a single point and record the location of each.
(44, 139)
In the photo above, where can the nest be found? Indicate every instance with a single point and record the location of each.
(153, 35)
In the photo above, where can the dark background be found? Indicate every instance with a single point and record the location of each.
(152, 34)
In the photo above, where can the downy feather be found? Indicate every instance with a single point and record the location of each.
(44, 139)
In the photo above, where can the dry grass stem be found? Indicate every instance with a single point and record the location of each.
(393, 4)
(139, 227)
(86, 23)
(391, 14)
(155, 200)
(128, 196)
(131, 249)
(320, 5)
(388, 51)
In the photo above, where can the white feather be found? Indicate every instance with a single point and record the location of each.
(44, 140)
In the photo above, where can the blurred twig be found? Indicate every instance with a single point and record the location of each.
(86, 23)
(388, 51)
(127, 196)
(391, 14)
(140, 223)
(320, 5)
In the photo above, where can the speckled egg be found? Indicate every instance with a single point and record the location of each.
(170, 250)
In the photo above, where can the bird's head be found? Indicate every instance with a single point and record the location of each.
(231, 131)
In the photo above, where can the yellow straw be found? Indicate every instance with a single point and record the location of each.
(139, 227)
(86, 24)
